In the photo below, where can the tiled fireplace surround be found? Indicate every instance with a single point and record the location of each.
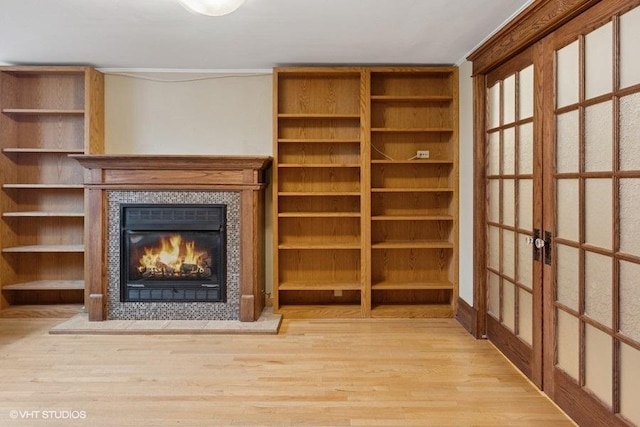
(236, 181)
(117, 309)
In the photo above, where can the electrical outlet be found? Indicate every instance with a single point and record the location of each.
(337, 292)
(422, 154)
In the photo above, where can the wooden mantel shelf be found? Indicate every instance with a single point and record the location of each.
(195, 171)
(168, 161)
(243, 174)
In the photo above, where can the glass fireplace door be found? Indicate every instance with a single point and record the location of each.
(173, 253)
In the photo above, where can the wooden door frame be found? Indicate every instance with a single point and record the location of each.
(534, 23)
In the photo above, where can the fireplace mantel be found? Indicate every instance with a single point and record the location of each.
(164, 171)
(242, 174)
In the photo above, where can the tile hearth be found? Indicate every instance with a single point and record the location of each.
(267, 323)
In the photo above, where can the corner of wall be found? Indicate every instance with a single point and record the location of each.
(466, 183)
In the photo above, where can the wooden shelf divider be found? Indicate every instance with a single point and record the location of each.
(44, 248)
(43, 150)
(36, 214)
(41, 111)
(46, 285)
(37, 186)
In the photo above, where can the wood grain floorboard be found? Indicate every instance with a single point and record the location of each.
(373, 372)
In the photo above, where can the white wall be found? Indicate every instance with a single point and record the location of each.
(213, 114)
(466, 182)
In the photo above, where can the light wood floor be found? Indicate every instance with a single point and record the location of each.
(313, 373)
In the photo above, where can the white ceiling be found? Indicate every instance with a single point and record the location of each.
(162, 35)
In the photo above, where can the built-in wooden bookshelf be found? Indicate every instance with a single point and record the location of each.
(46, 114)
(317, 188)
(362, 227)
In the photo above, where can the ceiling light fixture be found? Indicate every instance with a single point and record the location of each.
(212, 7)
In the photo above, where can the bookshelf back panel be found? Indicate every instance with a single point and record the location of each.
(48, 168)
(413, 297)
(47, 230)
(404, 146)
(411, 204)
(319, 230)
(320, 94)
(316, 128)
(9, 272)
(45, 91)
(411, 231)
(319, 266)
(43, 266)
(319, 180)
(316, 297)
(416, 175)
(59, 200)
(319, 204)
(319, 153)
(53, 132)
(410, 265)
(405, 115)
(411, 84)
(44, 297)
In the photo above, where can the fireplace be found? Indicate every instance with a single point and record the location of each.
(173, 253)
(238, 182)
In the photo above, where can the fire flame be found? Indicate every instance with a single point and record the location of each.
(171, 255)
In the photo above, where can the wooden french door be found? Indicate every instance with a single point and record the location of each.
(591, 178)
(562, 217)
(512, 215)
